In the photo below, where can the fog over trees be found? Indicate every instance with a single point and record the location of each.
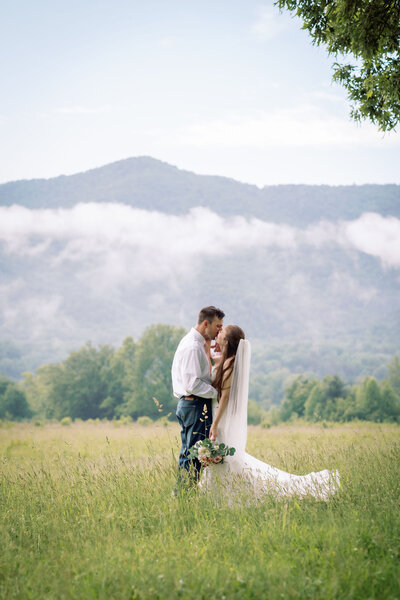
(311, 273)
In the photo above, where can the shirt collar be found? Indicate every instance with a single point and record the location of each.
(198, 336)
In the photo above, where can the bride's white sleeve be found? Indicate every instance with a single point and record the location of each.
(236, 411)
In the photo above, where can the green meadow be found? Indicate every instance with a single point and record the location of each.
(86, 511)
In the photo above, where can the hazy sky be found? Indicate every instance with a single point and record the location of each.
(227, 87)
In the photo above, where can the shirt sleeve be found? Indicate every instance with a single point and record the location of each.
(193, 382)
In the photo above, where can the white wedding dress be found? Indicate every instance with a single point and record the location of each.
(244, 468)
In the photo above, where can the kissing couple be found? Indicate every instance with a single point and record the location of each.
(212, 391)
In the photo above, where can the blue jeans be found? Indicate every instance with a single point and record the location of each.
(195, 419)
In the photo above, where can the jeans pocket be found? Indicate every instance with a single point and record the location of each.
(186, 414)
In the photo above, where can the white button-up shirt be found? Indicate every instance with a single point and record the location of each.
(191, 368)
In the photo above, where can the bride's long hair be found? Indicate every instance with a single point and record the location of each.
(233, 335)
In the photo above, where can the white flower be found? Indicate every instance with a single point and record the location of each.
(204, 452)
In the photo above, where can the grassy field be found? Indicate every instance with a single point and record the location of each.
(86, 512)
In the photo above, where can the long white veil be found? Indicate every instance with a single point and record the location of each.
(236, 411)
(233, 432)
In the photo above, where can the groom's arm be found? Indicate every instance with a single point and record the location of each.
(194, 379)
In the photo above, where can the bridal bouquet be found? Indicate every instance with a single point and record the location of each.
(210, 453)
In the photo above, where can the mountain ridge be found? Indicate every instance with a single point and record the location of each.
(67, 279)
(148, 183)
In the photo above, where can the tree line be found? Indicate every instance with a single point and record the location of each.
(332, 400)
(135, 380)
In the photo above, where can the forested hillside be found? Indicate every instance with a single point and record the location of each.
(311, 273)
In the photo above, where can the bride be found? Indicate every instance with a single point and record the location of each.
(231, 379)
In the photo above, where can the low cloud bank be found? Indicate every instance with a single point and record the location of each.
(376, 235)
(97, 271)
(152, 245)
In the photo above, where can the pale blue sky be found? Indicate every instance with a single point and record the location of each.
(226, 87)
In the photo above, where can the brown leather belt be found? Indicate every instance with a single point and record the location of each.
(191, 398)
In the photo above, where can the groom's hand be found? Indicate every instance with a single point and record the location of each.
(213, 432)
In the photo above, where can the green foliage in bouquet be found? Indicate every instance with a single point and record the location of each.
(210, 453)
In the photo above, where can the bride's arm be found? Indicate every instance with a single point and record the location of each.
(223, 403)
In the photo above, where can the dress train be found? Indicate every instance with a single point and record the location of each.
(264, 478)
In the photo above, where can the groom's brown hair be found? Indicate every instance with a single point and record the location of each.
(209, 313)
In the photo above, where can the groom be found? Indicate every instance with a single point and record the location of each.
(191, 382)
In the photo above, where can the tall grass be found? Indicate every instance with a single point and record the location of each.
(87, 512)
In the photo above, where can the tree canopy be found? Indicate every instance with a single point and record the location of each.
(367, 36)
(151, 375)
(135, 381)
(13, 402)
(91, 383)
(332, 400)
